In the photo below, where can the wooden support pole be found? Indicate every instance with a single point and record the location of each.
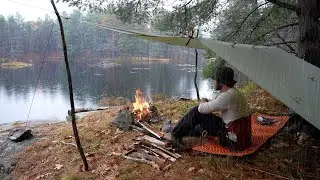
(196, 74)
(74, 125)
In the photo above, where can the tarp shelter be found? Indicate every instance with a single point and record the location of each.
(290, 79)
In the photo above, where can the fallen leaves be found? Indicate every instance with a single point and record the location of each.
(118, 131)
(155, 165)
(58, 166)
(201, 171)
(191, 169)
(91, 156)
(43, 176)
(68, 137)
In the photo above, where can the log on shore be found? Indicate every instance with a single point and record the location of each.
(87, 110)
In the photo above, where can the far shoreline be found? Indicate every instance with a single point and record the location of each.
(13, 64)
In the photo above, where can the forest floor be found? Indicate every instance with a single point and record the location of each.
(50, 157)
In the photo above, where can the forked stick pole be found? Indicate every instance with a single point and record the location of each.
(74, 125)
(196, 74)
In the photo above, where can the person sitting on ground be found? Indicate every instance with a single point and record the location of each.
(233, 127)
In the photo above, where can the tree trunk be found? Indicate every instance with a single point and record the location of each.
(309, 31)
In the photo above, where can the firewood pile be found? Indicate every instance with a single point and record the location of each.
(151, 148)
(152, 151)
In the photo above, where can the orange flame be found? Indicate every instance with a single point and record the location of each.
(140, 107)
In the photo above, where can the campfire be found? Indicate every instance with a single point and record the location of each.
(151, 145)
(140, 107)
(142, 110)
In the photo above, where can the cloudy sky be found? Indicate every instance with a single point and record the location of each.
(33, 10)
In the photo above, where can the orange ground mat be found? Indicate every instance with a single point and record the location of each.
(260, 134)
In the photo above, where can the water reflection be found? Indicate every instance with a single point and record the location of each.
(90, 84)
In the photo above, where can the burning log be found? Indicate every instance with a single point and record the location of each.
(140, 107)
(142, 110)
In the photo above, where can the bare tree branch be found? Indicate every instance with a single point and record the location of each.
(286, 42)
(245, 19)
(288, 45)
(288, 6)
(187, 3)
(257, 24)
(275, 29)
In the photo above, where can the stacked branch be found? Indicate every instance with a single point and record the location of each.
(151, 151)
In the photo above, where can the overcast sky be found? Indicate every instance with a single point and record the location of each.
(33, 9)
(8, 7)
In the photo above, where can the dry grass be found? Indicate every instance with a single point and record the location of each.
(173, 109)
(3, 60)
(262, 101)
(273, 161)
(114, 101)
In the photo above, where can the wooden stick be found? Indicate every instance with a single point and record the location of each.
(150, 151)
(149, 157)
(166, 167)
(149, 130)
(74, 125)
(154, 140)
(65, 143)
(153, 164)
(175, 155)
(128, 152)
(166, 156)
(196, 73)
(136, 128)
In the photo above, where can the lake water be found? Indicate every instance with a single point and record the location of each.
(91, 83)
